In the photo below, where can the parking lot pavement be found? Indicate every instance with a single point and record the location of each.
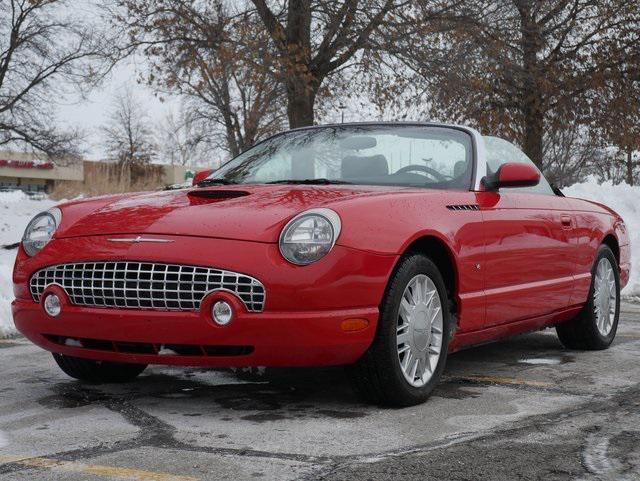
(523, 408)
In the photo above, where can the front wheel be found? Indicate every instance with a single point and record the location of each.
(98, 371)
(596, 325)
(407, 357)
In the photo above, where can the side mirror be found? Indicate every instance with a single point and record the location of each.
(513, 174)
(200, 176)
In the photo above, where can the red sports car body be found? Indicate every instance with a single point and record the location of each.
(137, 275)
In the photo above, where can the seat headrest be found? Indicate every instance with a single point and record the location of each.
(459, 168)
(354, 166)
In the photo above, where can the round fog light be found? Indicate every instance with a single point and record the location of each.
(222, 313)
(52, 305)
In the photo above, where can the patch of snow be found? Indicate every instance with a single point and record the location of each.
(72, 342)
(541, 361)
(625, 200)
(596, 457)
(166, 352)
(16, 210)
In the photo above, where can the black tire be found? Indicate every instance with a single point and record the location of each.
(582, 332)
(92, 371)
(377, 375)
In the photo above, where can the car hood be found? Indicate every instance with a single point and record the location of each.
(247, 212)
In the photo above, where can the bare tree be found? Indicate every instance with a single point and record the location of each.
(570, 154)
(42, 46)
(314, 39)
(617, 108)
(127, 136)
(183, 140)
(219, 63)
(521, 68)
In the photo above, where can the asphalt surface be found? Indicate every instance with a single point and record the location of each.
(521, 409)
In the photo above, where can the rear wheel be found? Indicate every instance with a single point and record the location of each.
(596, 325)
(98, 371)
(408, 355)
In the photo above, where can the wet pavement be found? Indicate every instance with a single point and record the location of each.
(523, 408)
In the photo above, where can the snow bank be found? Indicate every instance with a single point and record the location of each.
(625, 200)
(16, 210)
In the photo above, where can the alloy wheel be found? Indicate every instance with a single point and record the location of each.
(605, 296)
(419, 330)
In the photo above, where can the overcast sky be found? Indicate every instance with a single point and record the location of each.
(90, 113)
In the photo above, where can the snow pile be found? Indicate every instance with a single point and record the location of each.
(16, 210)
(625, 200)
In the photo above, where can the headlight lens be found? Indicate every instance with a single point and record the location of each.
(310, 236)
(40, 230)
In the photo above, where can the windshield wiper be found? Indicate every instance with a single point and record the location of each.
(309, 181)
(208, 182)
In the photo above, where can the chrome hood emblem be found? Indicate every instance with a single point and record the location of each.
(137, 240)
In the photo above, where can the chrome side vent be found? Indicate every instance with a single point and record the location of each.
(464, 207)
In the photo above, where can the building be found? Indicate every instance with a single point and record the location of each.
(31, 173)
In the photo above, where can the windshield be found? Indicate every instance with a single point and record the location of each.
(436, 157)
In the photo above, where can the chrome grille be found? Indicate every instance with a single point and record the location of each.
(145, 285)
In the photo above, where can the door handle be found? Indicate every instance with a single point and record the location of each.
(566, 221)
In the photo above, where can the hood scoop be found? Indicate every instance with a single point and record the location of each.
(217, 194)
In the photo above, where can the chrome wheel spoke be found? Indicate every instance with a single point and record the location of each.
(403, 339)
(414, 368)
(405, 309)
(406, 362)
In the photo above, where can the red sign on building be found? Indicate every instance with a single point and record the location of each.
(26, 164)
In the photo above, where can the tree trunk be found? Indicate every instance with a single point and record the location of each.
(301, 91)
(533, 135)
(532, 102)
(301, 98)
(630, 167)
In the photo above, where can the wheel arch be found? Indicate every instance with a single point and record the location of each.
(441, 254)
(611, 241)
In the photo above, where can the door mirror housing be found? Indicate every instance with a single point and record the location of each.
(200, 176)
(513, 174)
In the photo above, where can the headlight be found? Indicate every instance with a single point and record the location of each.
(40, 230)
(310, 236)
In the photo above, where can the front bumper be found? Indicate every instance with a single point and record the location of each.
(272, 339)
(301, 324)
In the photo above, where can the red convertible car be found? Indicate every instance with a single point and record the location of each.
(382, 246)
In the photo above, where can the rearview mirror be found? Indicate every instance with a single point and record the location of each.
(513, 174)
(200, 176)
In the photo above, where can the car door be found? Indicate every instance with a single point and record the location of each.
(530, 252)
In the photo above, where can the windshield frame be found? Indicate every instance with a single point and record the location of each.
(476, 140)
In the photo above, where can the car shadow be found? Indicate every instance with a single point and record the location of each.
(515, 350)
(269, 394)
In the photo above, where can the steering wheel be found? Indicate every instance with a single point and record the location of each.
(423, 168)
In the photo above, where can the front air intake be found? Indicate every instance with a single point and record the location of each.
(126, 347)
